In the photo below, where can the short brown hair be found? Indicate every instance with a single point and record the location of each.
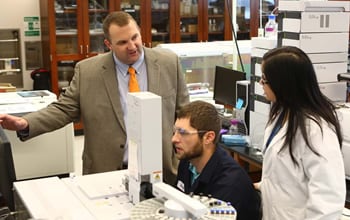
(119, 18)
(203, 116)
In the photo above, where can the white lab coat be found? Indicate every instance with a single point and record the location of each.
(314, 190)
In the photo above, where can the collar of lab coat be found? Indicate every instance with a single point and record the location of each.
(280, 134)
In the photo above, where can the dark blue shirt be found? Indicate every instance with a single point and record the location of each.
(222, 178)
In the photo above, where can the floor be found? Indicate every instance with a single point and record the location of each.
(78, 149)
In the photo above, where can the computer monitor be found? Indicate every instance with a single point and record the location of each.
(225, 85)
(7, 170)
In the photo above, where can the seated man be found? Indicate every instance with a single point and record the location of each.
(205, 168)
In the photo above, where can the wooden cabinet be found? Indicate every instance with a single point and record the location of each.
(203, 20)
(173, 21)
(161, 23)
(71, 31)
(140, 10)
(217, 23)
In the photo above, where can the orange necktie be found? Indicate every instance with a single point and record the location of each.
(133, 84)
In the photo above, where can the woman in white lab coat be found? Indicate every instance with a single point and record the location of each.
(303, 172)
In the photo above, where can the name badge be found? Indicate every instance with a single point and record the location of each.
(181, 185)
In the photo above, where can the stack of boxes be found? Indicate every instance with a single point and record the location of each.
(259, 105)
(320, 29)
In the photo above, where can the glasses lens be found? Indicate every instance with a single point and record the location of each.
(180, 131)
(184, 132)
(263, 80)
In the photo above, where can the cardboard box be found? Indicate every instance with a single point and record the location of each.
(311, 42)
(257, 126)
(328, 72)
(335, 91)
(192, 28)
(257, 67)
(258, 89)
(310, 5)
(328, 57)
(311, 22)
(264, 42)
(258, 52)
(262, 107)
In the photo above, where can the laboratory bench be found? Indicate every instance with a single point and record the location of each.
(248, 157)
(90, 197)
(247, 154)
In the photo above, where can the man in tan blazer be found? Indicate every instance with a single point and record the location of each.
(97, 95)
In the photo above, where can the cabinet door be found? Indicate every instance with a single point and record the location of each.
(188, 25)
(243, 19)
(65, 72)
(161, 22)
(134, 8)
(153, 18)
(216, 20)
(95, 11)
(68, 23)
(139, 10)
(203, 20)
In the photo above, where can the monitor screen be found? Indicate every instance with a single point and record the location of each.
(225, 85)
(7, 170)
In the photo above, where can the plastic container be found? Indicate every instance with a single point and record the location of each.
(41, 78)
(271, 27)
(234, 127)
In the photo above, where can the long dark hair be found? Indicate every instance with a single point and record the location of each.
(293, 80)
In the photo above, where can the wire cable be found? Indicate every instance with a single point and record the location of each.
(234, 35)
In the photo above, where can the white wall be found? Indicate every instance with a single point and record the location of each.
(12, 16)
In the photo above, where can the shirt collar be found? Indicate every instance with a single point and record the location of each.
(124, 67)
(194, 172)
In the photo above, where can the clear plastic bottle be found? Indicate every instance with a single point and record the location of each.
(234, 127)
(271, 27)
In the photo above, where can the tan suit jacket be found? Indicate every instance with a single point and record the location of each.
(93, 95)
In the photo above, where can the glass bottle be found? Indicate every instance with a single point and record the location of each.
(234, 127)
(271, 27)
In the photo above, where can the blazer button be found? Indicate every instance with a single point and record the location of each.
(122, 146)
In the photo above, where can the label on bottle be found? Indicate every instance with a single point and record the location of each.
(233, 129)
(8, 64)
(270, 31)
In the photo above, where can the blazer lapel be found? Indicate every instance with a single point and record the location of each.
(111, 82)
(153, 71)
